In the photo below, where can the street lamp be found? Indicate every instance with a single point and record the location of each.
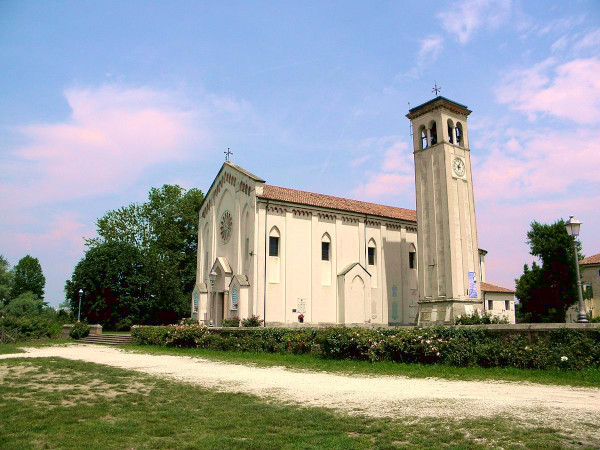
(573, 226)
(79, 312)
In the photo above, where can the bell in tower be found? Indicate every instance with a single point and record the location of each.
(447, 254)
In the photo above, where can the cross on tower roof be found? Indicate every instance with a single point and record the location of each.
(227, 154)
(437, 89)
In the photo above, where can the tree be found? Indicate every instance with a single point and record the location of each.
(28, 277)
(545, 292)
(25, 305)
(5, 281)
(115, 283)
(165, 231)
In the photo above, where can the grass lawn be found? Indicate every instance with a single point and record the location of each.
(16, 348)
(585, 378)
(51, 402)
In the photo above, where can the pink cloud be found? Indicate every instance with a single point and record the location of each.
(570, 90)
(112, 135)
(64, 232)
(539, 164)
(394, 176)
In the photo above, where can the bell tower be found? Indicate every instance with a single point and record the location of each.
(448, 253)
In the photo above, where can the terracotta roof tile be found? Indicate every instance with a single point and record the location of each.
(344, 204)
(594, 259)
(487, 287)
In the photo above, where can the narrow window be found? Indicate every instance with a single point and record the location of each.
(433, 130)
(273, 246)
(411, 259)
(490, 305)
(423, 138)
(247, 247)
(371, 255)
(459, 134)
(325, 251)
(507, 305)
(451, 131)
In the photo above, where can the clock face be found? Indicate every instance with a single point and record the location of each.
(226, 226)
(458, 165)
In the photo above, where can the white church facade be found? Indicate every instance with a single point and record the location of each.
(290, 256)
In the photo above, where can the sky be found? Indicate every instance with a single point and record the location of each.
(100, 101)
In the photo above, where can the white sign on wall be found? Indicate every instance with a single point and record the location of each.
(302, 305)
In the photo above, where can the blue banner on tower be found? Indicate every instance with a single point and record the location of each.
(472, 285)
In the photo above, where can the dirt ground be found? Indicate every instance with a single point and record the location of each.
(378, 396)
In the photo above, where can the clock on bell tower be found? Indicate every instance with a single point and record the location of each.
(447, 254)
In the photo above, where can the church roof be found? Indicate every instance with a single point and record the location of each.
(436, 103)
(344, 204)
(487, 287)
(594, 259)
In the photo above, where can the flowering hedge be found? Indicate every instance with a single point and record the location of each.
(560, 349)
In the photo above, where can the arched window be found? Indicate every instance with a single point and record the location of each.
(423, 135)
(372, 253)
(274, 236)
(459, 134)
(433, 132)
(326, 247)
(450, 131)
(206, 248)
(412, 257)
(274, 263)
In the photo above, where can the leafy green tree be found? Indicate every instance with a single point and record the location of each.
(28, 277)
(5, 281)
(114, 279)
(25, 305)
(165, 231)
(545, 292)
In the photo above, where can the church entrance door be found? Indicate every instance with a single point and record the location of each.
(220, 308)
(355, 307)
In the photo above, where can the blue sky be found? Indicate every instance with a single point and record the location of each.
(102, 100)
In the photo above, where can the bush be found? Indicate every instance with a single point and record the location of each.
(561, 349)
(233, 322)
(25, 305)
(32, 327)
(183, 335)
(151, 335)
(79, 330)
(483, 319)
(252, 321)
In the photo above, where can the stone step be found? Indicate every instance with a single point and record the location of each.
(107, 339)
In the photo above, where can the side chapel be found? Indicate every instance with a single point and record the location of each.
(292, 256)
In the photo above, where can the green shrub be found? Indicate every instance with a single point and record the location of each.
(252, 321)
(186, 335)
(232, 322)
(456, 346)
(79, 330)
(151, 335)
(39, 327)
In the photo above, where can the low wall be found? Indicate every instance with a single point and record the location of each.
(66, 329)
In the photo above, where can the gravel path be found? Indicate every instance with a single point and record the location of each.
(380, 396)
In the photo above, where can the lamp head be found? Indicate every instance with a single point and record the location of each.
(212, 275)
(573, 226)
(80, 291)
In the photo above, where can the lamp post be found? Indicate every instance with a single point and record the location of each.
(79, 312)
(573, 226)
(212, 276)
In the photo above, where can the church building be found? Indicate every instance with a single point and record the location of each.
(291, 256)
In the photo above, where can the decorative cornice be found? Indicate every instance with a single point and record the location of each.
(302, 212)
